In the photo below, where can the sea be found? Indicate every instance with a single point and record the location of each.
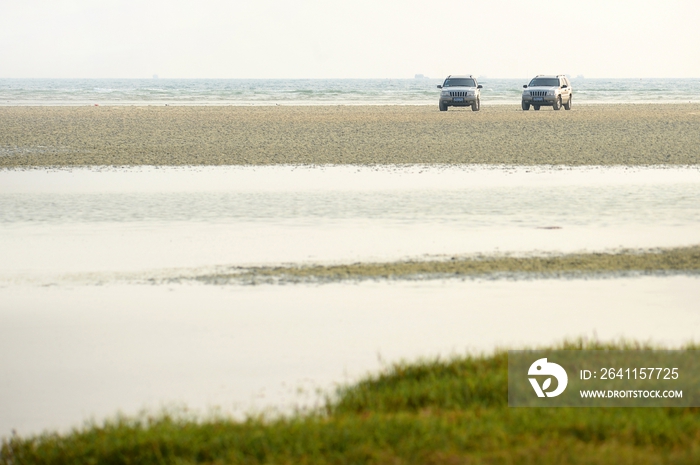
(241, 92)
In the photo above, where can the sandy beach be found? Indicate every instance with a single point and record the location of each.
(179, 135)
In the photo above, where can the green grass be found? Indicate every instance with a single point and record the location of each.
(435, 411)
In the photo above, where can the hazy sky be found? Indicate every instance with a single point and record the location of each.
(348, 38)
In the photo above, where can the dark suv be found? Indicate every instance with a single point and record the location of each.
(553, 91)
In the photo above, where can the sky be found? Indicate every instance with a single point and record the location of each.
(348, 38)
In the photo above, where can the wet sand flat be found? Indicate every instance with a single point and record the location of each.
(677, 260)
(667, 134)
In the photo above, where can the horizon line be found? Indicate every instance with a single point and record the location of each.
(414, 78)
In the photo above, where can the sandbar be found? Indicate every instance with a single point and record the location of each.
(640, 134)
(680, 260)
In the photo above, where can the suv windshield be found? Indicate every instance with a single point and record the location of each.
(544, 82)
(464, 82)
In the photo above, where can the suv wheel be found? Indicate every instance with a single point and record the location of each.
(443, 106)
(567, 105)
(476, 106)
(557, 104)
(526, 106)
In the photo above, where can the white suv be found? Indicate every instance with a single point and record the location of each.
(553, 91)
(460, 91)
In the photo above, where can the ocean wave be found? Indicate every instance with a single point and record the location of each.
(318, 91)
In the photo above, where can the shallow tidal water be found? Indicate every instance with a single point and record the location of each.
(141, 222)
(72, 353)
(82, 336)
